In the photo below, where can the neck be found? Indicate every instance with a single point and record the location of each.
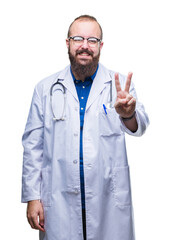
(79, 76)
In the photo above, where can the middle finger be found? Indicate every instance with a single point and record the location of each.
(128, 82)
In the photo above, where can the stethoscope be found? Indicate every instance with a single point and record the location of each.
(51, 96)
(109, 105)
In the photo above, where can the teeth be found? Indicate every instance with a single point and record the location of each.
(84, 54)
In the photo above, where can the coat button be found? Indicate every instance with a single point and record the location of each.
(76, 190)
(89, 165)
(75, 161)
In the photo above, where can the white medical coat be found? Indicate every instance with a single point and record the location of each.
(51, 170)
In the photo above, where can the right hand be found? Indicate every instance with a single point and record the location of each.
(35, 215)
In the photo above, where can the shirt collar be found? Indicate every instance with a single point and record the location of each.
(92, 77)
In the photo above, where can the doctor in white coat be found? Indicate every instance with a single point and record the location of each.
(51, 180)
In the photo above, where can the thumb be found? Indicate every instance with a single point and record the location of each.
(119, 103)
(41, 218)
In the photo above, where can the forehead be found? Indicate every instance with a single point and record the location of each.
(85, 28)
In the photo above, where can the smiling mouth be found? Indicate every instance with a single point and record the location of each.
(84, 53)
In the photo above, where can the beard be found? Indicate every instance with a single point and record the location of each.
(83, 71)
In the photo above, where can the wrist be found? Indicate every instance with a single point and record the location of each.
(129, 118)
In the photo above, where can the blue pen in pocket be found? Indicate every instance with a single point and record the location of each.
(105, 109)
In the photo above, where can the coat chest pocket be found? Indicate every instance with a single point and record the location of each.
(45, 188)
(109, 123)
(122, 189)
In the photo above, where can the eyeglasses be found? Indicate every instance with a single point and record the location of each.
(92, 41)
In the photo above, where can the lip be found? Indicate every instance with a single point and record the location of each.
(84, 55)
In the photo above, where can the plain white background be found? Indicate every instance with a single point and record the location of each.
(136, 38)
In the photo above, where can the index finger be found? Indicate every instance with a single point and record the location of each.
(128, 82)
(36, 224)
(117, 83)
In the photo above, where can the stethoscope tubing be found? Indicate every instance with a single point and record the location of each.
(51, 95)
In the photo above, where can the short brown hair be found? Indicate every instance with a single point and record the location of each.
(85, 17)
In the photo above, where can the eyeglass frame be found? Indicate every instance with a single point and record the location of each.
(83, 38)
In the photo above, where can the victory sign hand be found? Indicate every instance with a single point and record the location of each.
(125, 103)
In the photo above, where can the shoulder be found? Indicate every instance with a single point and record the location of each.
(45, 84)
(111, 73)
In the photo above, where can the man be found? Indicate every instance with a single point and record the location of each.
(75, 170)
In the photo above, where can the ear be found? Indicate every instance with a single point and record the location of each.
(67, 43)
(101, 45)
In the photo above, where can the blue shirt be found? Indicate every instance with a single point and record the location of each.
(83, 90)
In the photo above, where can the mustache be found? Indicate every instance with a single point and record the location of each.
(84, 51)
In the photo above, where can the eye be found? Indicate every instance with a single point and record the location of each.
(77, 39)
(92, 40)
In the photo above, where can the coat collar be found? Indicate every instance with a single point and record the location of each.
(66, 78)
(99, 83)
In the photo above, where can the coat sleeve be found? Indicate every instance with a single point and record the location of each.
(141, 115)
(32, 141)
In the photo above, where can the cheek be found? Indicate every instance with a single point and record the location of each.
(96, 52)
(72, 50)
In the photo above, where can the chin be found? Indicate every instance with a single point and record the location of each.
(84, 62)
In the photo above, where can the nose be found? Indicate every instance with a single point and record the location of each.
(85, 44)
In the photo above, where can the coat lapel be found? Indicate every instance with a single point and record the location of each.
(66, 79)
(99, 83)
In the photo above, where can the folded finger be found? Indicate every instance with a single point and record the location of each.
(33, 221)
(41, 219)
(132, 101)
(36, 224)
(120, 103)
(128, 97)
